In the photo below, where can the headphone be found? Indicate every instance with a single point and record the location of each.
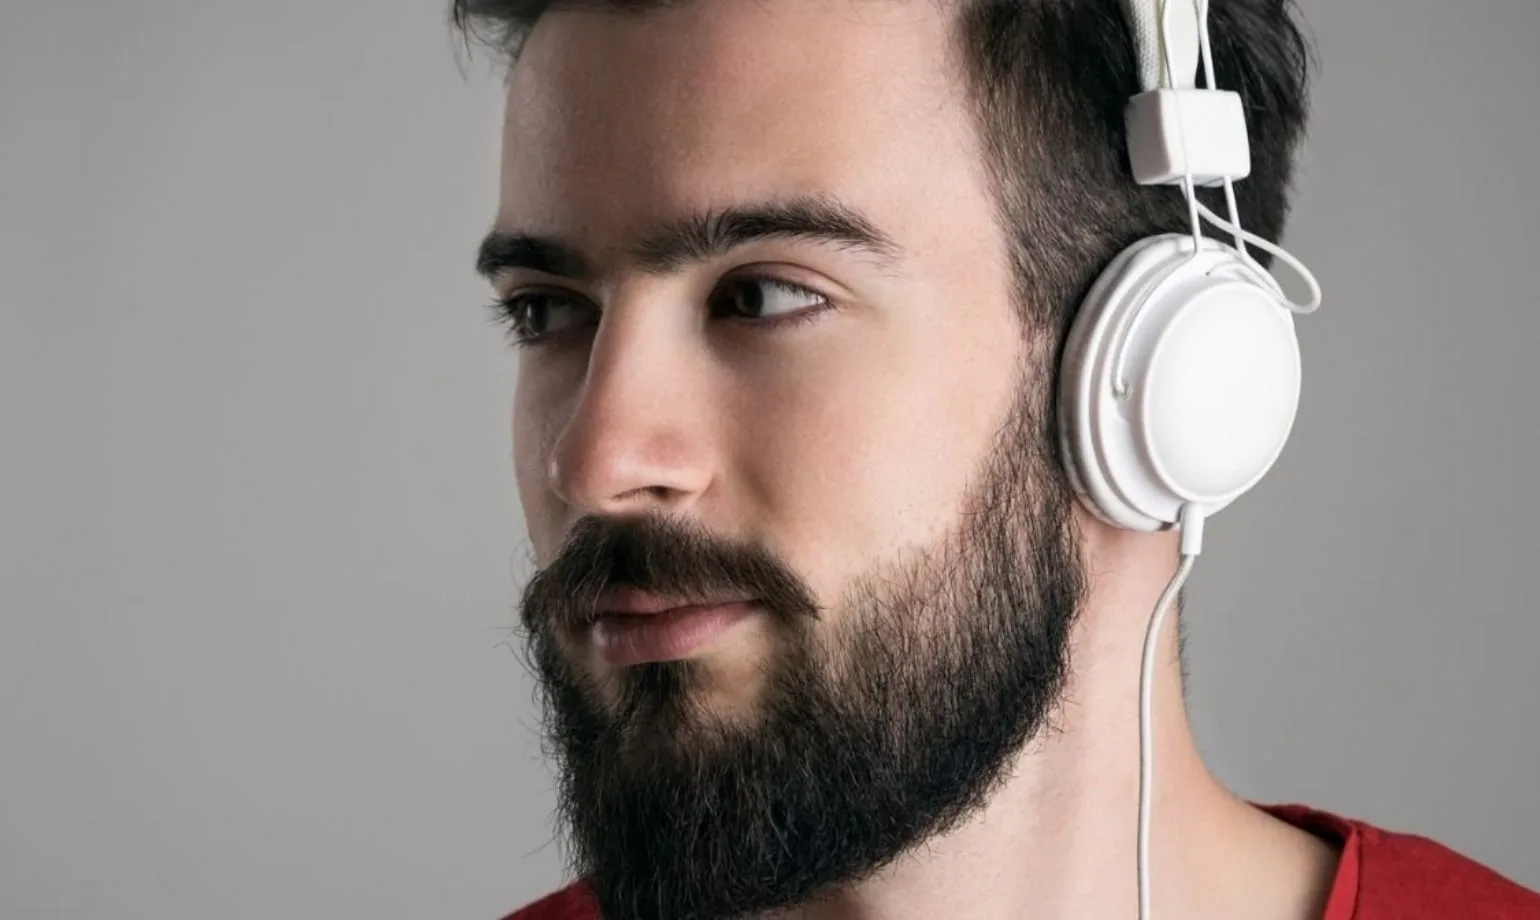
(1180, 378)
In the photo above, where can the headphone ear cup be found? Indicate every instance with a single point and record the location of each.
(1076, 375)
(1211, 364)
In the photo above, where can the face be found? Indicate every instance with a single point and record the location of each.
(805, 562)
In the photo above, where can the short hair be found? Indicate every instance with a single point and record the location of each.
(1049, 81)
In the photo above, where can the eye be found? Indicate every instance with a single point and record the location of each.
(768, 299)
(533, 316)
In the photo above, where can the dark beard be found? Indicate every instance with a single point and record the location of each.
(888, 727)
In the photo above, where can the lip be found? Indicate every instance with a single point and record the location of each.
(635, 602)
(633, 627)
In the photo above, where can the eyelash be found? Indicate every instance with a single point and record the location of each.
(505, 311)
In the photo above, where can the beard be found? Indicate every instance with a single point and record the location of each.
(873, 731)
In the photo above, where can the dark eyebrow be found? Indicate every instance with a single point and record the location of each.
(699, 237)
(502, 251)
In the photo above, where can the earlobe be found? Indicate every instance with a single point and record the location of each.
(1105, 548)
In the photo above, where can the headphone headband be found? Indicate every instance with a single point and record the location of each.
(1180, 32)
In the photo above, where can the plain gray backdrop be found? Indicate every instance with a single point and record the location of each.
(259, 542)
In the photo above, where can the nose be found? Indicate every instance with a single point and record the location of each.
(638, 438)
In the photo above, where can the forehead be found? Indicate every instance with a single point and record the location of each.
(615, 118)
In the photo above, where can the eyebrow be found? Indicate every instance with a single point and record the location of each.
(698, 237)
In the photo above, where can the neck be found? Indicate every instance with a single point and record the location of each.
(1058, 840)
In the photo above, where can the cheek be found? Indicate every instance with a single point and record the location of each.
(533, 426)
(878, 457)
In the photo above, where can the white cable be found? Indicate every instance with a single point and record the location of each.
(1278, 252)
(1189, 184)
(1233, 225)
(1235, 217)
(1206, 54)
(1191, 523)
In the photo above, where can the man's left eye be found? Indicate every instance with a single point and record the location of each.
(763, 298)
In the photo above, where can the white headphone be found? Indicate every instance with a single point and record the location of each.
(1180, 377)
(1181, 374)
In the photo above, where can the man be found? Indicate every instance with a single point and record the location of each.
(821, 627)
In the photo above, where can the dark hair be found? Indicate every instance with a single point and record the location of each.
(1050, 80)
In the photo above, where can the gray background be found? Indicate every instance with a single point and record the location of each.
(258, 535)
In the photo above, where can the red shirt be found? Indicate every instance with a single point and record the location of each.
(1381, 876)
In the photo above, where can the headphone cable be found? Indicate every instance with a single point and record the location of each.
(1190, 522)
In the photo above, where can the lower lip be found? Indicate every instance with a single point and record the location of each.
(679, 633)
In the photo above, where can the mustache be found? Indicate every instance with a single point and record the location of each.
(661, 555)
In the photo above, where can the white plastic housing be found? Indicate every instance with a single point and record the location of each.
(1213, 372)
(1174, 131)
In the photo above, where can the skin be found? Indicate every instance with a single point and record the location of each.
(850, 438)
